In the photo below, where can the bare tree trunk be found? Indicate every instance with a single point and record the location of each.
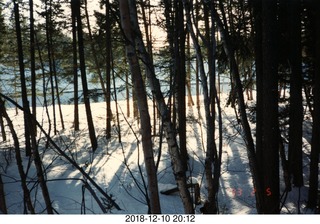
(270, 133)
(257, 12)
(44, 86)
(105, 90)
(24, 94)
(108, 70)
(168, 128)
(116, 98)
(296, 107)
(51, 75)
(127, 91)
(57, 86)
(3, 205)
(3, 130)
(26, 192)
(188, 73)
(140, 90)
(148, 35)
(28, 121)
(92, 134)
(75, 70)
(33, 64)
(315, 142)
(180, 79)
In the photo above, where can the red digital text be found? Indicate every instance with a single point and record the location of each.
(238, 191)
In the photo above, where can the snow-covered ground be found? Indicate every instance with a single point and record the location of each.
(118, 167)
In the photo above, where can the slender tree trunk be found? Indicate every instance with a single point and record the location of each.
(75, 70)
(270, 136)
(128, 93)
(3, 130)
(105, 90)
(188, 72)
(53, 67)
(3, 205)
(24, 94)
(134, 98)
(116, 98)
(196, 24)
(33, 64)
(180, 79)
(148, 35)
(257, 11)
(57, 86)
(23, 177)
(315, 142)
(296, 107)
(28, 120)
(140, 90)
(92, 134)
(44, 87)
(215, 101)
(108, 69)
(211, 153)
(49, 48)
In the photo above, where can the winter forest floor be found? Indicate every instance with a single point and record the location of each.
(116, 166)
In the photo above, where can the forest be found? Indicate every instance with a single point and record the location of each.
(159, 106)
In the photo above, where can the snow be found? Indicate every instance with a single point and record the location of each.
(115, 166)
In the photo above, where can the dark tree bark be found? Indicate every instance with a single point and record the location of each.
(2, 128)
(196, 23)
(146, 10)
(180, 78)
(33, 64)
(92, 134)
(44, 85)
(24, 94)
(296, 108)
(105, 89)
(270, 137)
(315, 142)
(127, 91)
(116, 98)
(169, 25)
(215, 101)
(26, 192)
(108, 70)
(3, 205)
(75, 70)
(139, 87)
(188, 72)
(257, 13)
(57, 86)
(51, 75)
(27, 116)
